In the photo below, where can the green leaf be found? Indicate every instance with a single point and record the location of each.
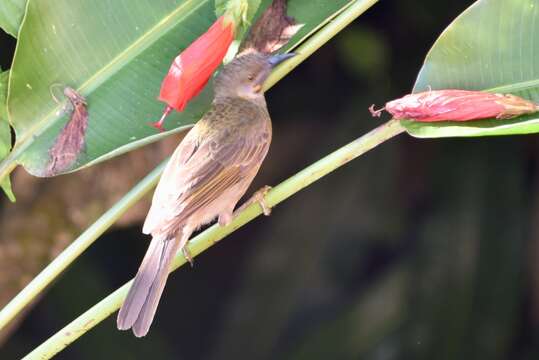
(5, 132)
(490, 46)
(116, 55)
(11, 14)
(237, 7)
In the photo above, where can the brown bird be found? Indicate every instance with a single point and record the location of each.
(207, 175)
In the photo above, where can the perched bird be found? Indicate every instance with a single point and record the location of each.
(205, 178)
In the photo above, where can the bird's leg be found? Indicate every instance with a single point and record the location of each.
(259, 197)
(227, 216)
(185, 234)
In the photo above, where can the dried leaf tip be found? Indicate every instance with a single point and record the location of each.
(272, 30)
(457, 105)
(71, 139)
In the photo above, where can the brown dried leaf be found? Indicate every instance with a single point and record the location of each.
(70, 142)
(272, 31)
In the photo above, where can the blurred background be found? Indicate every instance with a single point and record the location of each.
(421, 249)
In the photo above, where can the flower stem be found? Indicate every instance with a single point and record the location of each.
(206, 239)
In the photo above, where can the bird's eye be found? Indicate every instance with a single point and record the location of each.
(251, 77)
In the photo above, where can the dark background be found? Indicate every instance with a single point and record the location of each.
(421, 249)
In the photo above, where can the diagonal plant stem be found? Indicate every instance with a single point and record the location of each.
(200, 243)
(38, 284)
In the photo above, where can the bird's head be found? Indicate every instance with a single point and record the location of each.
(245, 75)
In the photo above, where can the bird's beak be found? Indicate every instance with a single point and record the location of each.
(272, 62)
(277, 59)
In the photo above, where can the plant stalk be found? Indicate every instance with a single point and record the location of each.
(206, 239)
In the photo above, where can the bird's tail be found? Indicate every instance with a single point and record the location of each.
(139, 307)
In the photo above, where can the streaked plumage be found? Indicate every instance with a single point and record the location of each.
(207, 175)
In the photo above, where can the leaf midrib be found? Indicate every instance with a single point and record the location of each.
(519, 86)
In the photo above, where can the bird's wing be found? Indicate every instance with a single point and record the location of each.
(200, 171)
(165, 193)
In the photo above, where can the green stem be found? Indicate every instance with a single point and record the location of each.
(200, 243)
(67, 256)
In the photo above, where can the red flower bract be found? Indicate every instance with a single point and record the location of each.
(457, 105)
(192, 69)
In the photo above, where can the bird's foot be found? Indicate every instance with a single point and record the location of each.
(258, 197)
(227, 217)
(187, 255)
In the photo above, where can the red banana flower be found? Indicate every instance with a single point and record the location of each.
(457, 105)
(192, 69)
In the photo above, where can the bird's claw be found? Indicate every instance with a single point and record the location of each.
(260, 197)
(187, 255)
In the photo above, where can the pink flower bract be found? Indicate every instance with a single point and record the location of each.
(458, 105)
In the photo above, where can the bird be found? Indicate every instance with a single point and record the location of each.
(208, 173)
